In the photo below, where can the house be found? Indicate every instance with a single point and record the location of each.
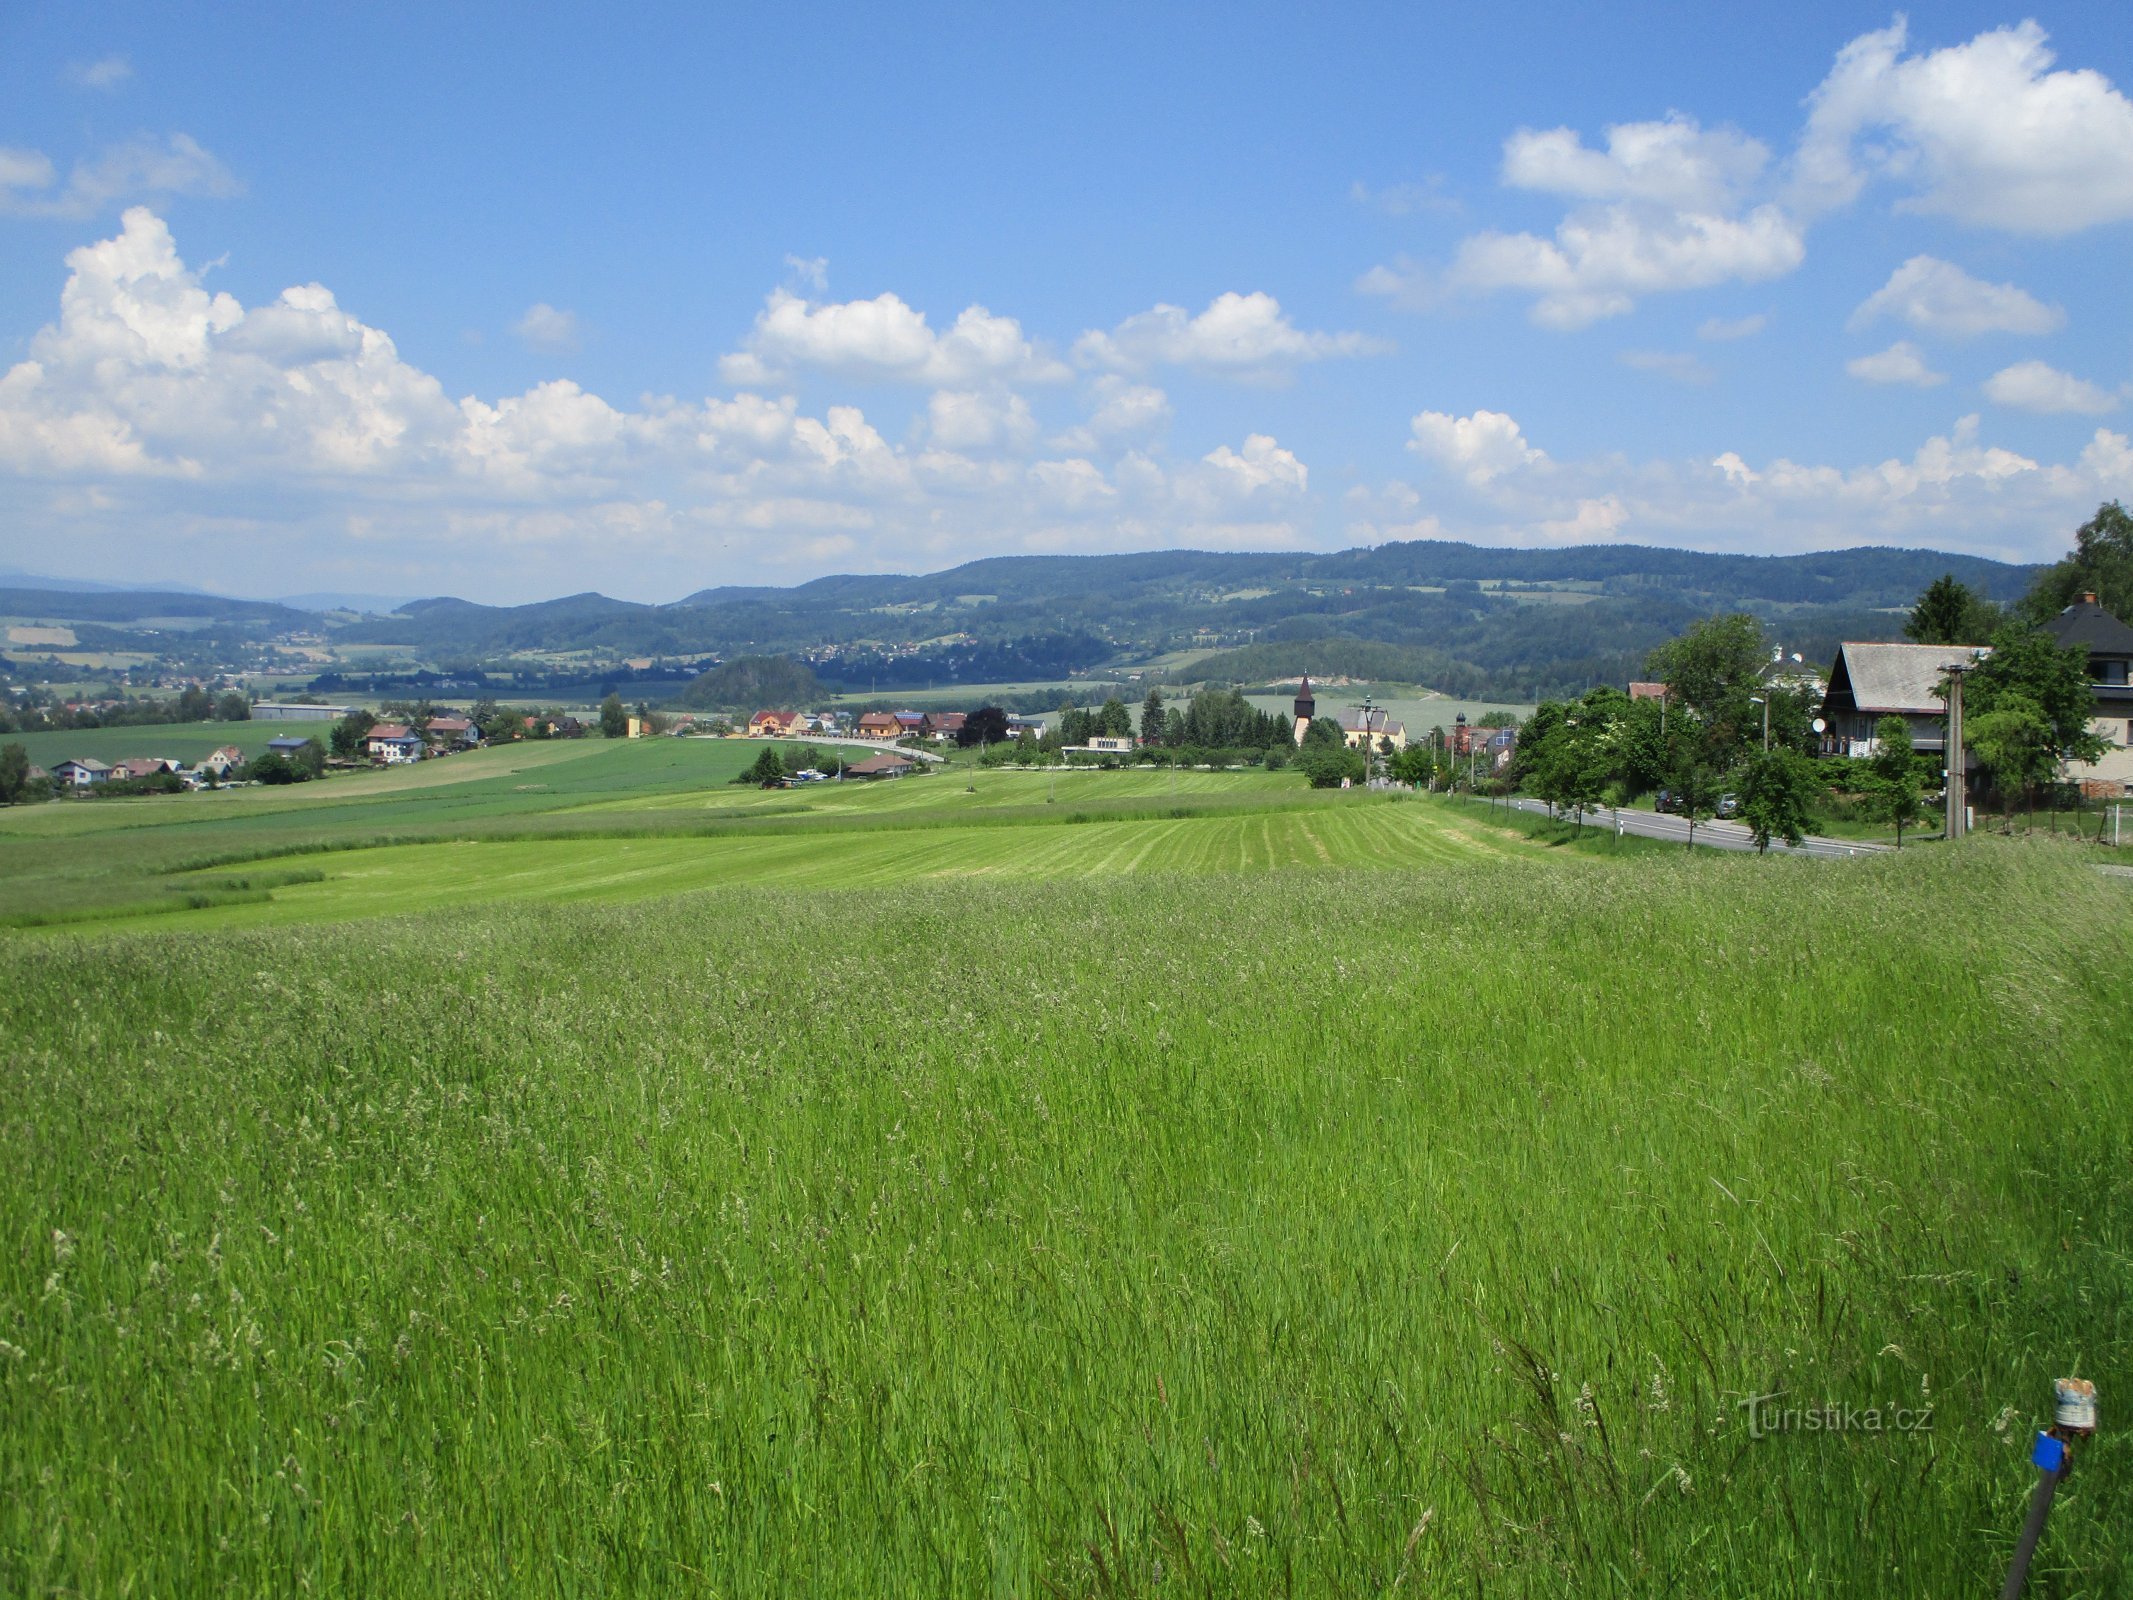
(1106, 744)
(773, 724)
(140, 767)
(394, 743)
(1643, 690)
(636, 727)
(79, 774)
(942, 726)
(222, 762)
(288, 745)
(879, 725)
(1373, 725)
(2109, 643)
(882, 764)
(456, 733)
(909, 724)
(1872, 681)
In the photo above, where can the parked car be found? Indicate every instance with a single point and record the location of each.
(1666, 800)
(1729, 805)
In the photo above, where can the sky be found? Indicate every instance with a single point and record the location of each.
(510, 302)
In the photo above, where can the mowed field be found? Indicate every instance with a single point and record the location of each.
(599, 820)
(967, 1188)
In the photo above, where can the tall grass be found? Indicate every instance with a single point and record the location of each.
(1299, 1234)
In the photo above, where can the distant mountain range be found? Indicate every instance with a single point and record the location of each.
(1468, 619)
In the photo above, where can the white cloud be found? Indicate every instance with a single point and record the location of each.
(1480, 448)
(2034, 386)
(1125, 410)
(814, 271)
(1594, 521)
(1239, 335)
(969, 419)
(1262, 464)
(1675, 164)
(543, 327)
(1936, 296)
(1665, 207)
(885, 340)
(1677, 365)
(1901, 362)
(1983, 132)
(1720, 330)
(1955, 492)
(138, 169)
(107, 73)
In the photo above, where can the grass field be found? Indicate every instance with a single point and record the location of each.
(1285, 1233)
(593, 819)
(180, 741)
(558, 1171)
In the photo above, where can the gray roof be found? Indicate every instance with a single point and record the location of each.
(1381, 723)
(1897, 677)
(2094, 629)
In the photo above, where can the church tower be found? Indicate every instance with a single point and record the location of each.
(1306, 708)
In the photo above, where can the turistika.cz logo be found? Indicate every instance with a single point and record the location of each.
(1767, 1414)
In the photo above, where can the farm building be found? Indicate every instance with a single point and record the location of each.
(884, 764)
(287, 745)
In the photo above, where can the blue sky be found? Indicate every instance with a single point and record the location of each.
(519, 301)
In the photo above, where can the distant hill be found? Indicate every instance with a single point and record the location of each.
(1469, 619)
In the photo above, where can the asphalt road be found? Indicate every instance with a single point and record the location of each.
(1717, 835)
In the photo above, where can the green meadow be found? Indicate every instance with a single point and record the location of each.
(557, 1171)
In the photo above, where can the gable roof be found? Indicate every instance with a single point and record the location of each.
(390, 733)
(85, 764)
(885, 761)
(449, 725)
(1380, 723)
(1899, 678)
(2087, 624)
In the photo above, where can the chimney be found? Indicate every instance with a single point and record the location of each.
(2088, 597)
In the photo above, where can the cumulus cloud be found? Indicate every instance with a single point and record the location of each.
(1936, 296)
(1261, 464)
(162, 418)
(1663, 207)
(1984, 132)
(1238, 335)
(137, 169)
(1479, 448)
(968, 419)
(543, 327)
(1902, 362)
(1125, 410)
(1956, 492)
(106, 73)
(2036, 386)
(884, 340)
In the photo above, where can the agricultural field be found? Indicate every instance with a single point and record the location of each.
(562, 1171)
(179, 741)
(594, 819)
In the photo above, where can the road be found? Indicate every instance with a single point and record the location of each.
(1718, 835)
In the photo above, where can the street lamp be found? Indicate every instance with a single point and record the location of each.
(1758, 700)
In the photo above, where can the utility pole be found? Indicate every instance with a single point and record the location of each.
(1958, 822)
